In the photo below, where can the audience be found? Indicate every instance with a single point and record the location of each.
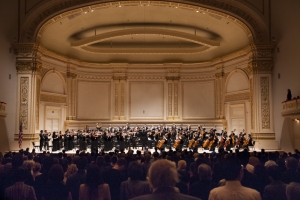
(94, 187)
(20, 190)
(55, 188)
(163, 177)
(276, 190)
(202, 187)
(233, 190)
(134, 187)
(196, 174)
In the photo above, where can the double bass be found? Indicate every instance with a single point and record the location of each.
(206, 143)
(192, 141)
(160, 143)
(177, 142)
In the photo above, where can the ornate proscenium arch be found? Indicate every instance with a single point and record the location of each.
(84, 44)
(231, 10)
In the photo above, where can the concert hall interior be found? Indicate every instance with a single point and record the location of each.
(217, 66)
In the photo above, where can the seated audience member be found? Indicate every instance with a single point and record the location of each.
(276, 190)
(114, 177)
(163, 177)
(202, 187)
(94, 187)
(54, 188)
(74, 181)
(36, 170)
(72, 169)
(291, 164)
(133, 187)
(184, 177)
(233, 190)
(20, 190)
(263, 179)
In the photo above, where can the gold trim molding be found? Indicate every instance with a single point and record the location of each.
(237, 97)
(53, 98)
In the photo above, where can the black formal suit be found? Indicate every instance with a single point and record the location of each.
(275, 191)
(42, 139)
(133, 188)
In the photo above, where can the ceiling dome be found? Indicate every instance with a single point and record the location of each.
(131, 32)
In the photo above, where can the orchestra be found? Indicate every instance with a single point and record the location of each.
(161, 137)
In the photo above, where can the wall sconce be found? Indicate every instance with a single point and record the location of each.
(297, 120)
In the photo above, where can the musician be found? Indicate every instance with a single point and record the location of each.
(98, 127)
(46, 140)
(214, 144)
(188, 128)
(232, 139)
(127, 127)
(55, 141)
(151, 134)
(71, 141)
(94, 142)
(143, 137)
(121, 140)
(60, 140)
(133, 139)
(107, 141)
(82, 141)
(42, 139)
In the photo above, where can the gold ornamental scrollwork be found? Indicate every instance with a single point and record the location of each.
(173, 78)
(238, 97)
(24, 87)
(260, 67)
(265, 102)
(53, 98)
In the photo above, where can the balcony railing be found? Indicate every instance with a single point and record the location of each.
(291, 108)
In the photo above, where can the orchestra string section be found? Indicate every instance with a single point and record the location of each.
(147, 137)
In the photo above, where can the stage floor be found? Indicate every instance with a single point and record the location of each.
(152, 150)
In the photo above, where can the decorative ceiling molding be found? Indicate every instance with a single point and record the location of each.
(84, 44)
(53, 11)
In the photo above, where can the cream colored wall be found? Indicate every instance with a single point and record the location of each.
(146, 100)
(286, 30)
(8, 31)
(94, 100)
(198, 99)
(52, 83)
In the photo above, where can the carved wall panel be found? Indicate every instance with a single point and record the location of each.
(169, 99)
(116, 98)
(175, 99)
(265, 103)
(24, 93)
(251, 101)
(37, 104)
(122, 98)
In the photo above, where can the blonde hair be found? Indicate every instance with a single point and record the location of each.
(72, 169)
(163, 173)
(181, 164)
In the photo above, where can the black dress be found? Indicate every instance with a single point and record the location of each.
(55, 142)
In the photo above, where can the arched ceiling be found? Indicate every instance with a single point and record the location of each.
(144, 33)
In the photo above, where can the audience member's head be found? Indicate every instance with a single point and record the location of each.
(291, 163)
(36, 167)
(274, 172)
(20, 174)
(135, 170)
(56, 173)
(72, 169)
(163, 173)
(181, 165)
(233, 170)
(121, 164)
(204, 172)
(81, 163)
(93, 176)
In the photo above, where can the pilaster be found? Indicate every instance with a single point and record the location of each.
(173, 97)
(28, 67)
(119, 82)
(260, 73)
